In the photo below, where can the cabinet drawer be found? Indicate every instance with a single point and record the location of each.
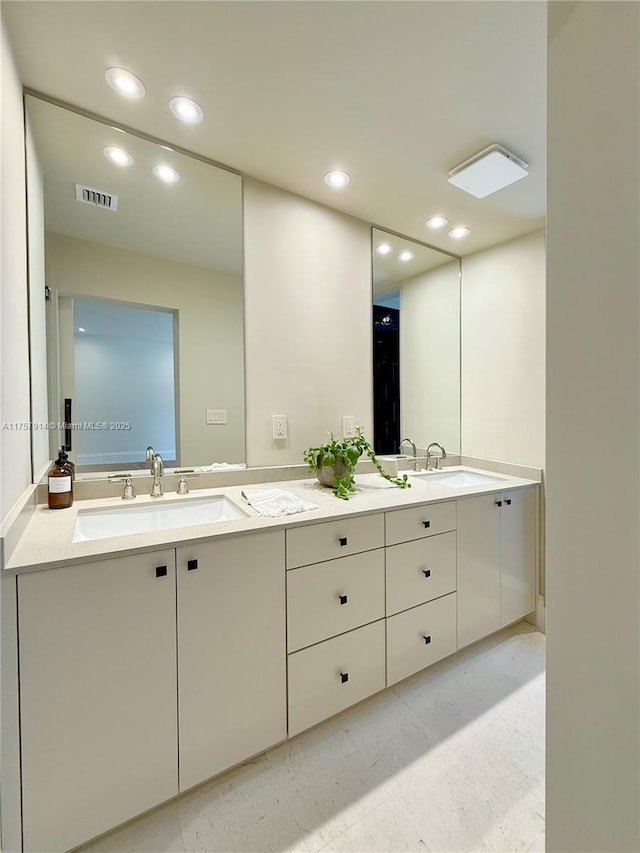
(419, 571)
(403, 525)
(331, 598)
(333, 675)
(315, 543)
(419, 637)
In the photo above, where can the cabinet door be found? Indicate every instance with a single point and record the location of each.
(518, 553)
(478, 583)
(98, 696)
(231, 652)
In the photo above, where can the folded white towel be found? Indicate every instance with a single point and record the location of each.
(274, 502)
(221, 466)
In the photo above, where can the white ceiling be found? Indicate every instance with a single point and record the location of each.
(396, 93)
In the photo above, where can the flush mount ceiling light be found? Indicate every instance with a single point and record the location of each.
(186, 110)
(125, 83)
(384, 249)
(406, 256)
(166, 173)
(436, 222)
(337, 179)
(117, 155)
(459, 232)
(489, 171)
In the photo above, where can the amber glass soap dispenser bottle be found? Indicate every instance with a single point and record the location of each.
(60, 483)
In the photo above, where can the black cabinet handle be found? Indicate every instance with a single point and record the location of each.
(498, 503)
(343, 540)
(344, 677)
(427, 638)
(426, 573)
(426, 524)
(343, 599)
(161, 571)
(191, 565)
(508, 501)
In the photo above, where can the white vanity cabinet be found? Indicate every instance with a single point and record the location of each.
(335, 616)
(420, 588)
(231, 652)
(496, 561)
(97, 696)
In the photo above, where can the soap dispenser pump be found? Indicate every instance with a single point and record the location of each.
(59, 480)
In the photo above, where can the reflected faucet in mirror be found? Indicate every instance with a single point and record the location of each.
(435, 464)
(416, 467)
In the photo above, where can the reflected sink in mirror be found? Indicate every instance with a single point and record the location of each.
(149, 518)
(458, 478)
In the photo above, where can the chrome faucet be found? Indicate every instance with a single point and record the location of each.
(150, 454)
(416, 467)
(443, 455)
(157, 469)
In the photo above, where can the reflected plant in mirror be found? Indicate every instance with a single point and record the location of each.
(416, 344)
(139, 248)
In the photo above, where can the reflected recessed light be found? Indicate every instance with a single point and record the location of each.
(406, 256)
(384, 249)
(436, 222)
(166, 173)
(459, 232)
(117, 155)
(186, 110)
(337, 178)
(125, 83)
(80, 329)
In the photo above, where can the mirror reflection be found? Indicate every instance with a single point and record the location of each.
(144, 301)
(416, 345)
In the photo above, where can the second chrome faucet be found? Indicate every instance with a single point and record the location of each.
(157, 470)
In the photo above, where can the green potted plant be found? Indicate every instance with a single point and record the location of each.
(334, 463)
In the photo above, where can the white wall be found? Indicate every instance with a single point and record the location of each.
(211, 374)
(430, 357)
(308, 322)
(15, 449)
(503, 352)
(593, 429)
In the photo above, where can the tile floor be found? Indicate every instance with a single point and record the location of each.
(451, 759)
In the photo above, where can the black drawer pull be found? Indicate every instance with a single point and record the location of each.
(343, 540)
(508, 501)
(498, 503)
(426, 573)
(344, 677)
(427, 639)
(426, 524)
(191, 565)
(343, 599)
(161, 571)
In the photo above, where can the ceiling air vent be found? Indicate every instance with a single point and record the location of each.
(98, 198)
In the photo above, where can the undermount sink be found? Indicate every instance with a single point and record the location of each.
(457, 479)
(148, 518)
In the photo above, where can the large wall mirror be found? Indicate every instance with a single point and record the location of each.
(416, 344)
(136, 297)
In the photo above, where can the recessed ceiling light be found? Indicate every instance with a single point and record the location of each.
(459, 232)
(406, 256)
(436, 222)
(186, 110)
(166, 173)
(384, 249)
(125, 83)
(80, 329)
(117, 155)
(337, 178)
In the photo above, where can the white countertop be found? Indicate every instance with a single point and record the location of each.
(47, 540)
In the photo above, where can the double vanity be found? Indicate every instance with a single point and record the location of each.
(164, 642)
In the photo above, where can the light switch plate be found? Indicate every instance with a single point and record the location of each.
(280, 427)
(348, 426)
(216, 416)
